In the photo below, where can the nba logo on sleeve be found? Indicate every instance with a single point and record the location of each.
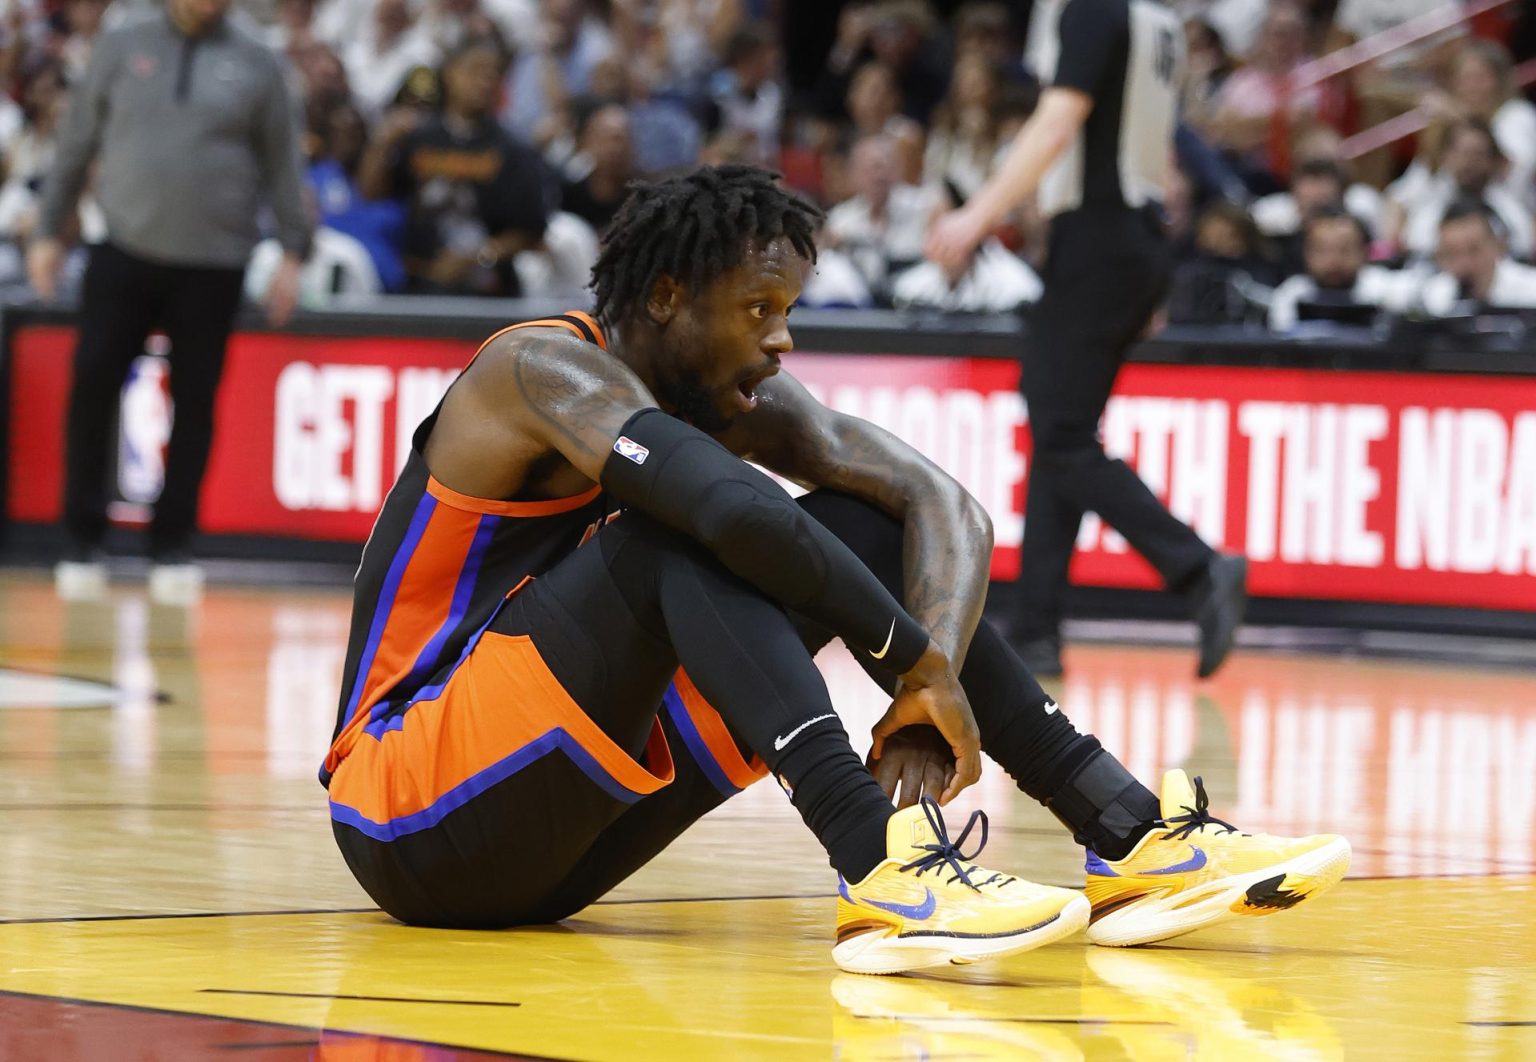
(626, 447)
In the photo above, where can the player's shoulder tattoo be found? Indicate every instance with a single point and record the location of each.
(569, 385)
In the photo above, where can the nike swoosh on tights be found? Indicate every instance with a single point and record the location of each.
(1050, 707)
(1194, 862)
(887, 646)
(918, 912)
(780, 742)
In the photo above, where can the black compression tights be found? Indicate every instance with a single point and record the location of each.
(1105, 807)
(615, 619)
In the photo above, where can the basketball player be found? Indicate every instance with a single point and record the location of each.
(1096, 149)
(582, 621)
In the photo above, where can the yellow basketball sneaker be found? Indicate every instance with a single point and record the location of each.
(927, 904)
(1193, 871)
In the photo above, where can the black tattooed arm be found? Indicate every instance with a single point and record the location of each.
(948, 547)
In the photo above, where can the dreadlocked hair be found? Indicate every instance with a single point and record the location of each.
(693, 228)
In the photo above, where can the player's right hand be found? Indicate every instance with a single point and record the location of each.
(930, 693)
(44, 257)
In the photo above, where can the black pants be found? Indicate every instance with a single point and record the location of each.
(1106, 273)
(613, 623)
(123, 300)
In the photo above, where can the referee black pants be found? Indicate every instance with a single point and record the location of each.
(124, 298)
(1105, 275)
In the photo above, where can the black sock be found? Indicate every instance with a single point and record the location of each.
(1103, 805)
(838, 799)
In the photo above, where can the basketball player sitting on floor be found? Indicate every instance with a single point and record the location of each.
(583, 620)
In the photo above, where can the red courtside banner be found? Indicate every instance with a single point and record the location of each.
(1361, 486)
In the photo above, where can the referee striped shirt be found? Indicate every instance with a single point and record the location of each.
(1128, 55)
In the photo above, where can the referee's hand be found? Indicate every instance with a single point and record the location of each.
(953, 238)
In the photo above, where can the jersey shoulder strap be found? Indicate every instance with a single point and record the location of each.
(578, 323)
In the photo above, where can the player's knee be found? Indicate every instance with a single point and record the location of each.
(753, 530)
(873, 535)
(636, 538)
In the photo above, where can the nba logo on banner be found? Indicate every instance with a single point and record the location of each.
(626, 447)
(144, 428)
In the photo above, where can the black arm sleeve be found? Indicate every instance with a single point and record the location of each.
(1091, 31)
(686, 480)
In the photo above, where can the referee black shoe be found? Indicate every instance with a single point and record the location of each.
(1221, 599)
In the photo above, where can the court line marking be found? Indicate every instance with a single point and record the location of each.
(1502, 1024)
(365, 999)
(143, 1009)
(920, 1019)
(117, 693)
(317, 809)
(269, 1043)
(150, 917)
(59, 919)
(720, 899)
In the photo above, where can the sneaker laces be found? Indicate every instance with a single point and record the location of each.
(1198, 817)
(947, 852)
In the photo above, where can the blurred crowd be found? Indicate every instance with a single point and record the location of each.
(480, 146)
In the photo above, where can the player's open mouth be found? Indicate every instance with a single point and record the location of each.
(747, 390)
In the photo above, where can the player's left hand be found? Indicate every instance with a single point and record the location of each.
(919, 760)
(952, 240)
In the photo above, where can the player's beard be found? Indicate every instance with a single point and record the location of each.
(691, 401)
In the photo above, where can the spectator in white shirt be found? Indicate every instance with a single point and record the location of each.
(1469, 168)
(996, 281)
(1237, 22)
(882, 226)
(964, 140)
(1316, 184)
(749, 99)
(1336, 246)
(1475, 271)
(384, 50)
(1482, 86)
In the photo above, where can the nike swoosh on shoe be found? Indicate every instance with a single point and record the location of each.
(918, 912)
(1194, 862)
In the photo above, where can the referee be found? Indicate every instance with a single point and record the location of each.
(1096, 150)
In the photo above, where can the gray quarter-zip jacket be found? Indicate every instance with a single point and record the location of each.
(192, 134)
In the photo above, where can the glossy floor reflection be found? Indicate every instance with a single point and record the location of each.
(164, 851)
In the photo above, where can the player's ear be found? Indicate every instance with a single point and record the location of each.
(666, 294)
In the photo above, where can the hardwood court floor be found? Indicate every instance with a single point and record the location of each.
(169, 888)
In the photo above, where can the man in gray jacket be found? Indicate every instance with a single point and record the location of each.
(194, 127)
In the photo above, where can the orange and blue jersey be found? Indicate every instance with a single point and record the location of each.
(436, 567)
(420, 733)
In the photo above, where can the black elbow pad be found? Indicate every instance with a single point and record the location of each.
(683, 478)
